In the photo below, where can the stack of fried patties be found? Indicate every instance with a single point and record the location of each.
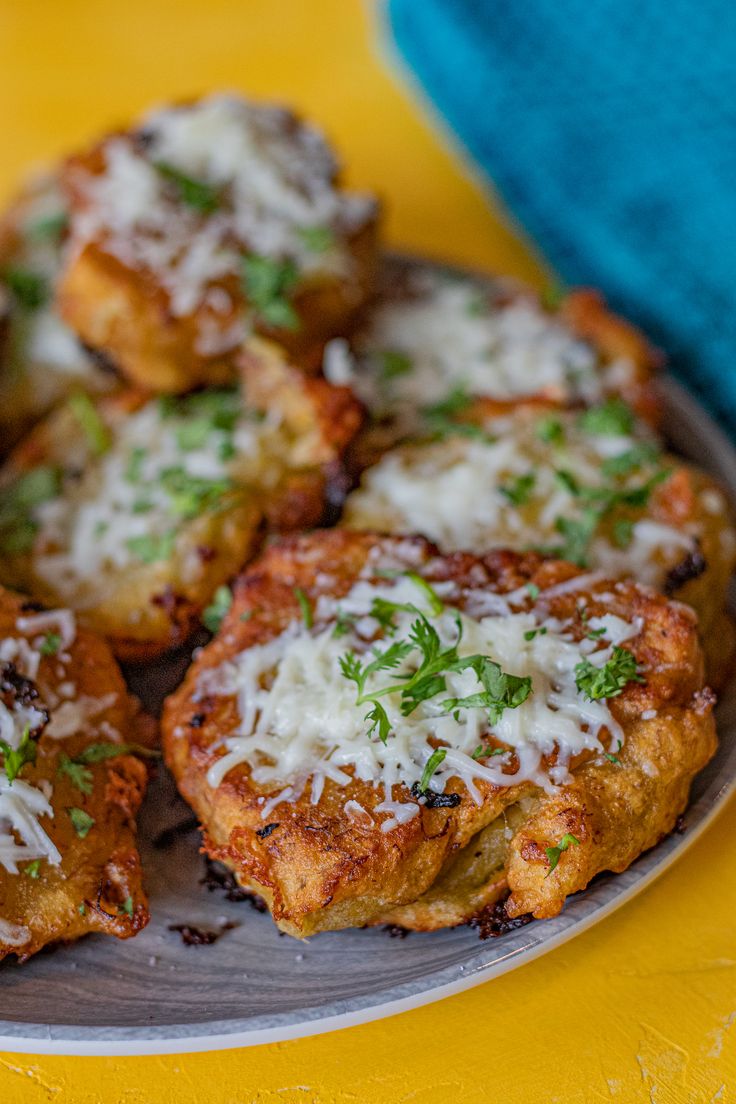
(475, 688)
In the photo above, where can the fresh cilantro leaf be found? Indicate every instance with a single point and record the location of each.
(48, 227)
(80, 776)
(82, 909)
(394, 363)
(29, 289)
(17, 525)
(626, 462)
(568, 481)
(197, 194)
(318, 239)
(150, 549)
(533, 591)
(191, 495)
(81, 820)
(609, 680)
(436, 604)
(133, 470)
(343, 623)
(623, 532)
(553, 853)
(305, 607)
(486, 752)
(518, 491)
(433, 763)
(577, 534)
(97, 434)
(126, 908)
(268, 284)
(50, 644)
(614, 758)
(501, 691)
(32, 869)
(613, 418)
(14, 759)
(551, 431)
(595, 634)
(221, 602)
(378, 718)
(97, 753)
(531, 633)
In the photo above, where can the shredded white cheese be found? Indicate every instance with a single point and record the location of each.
(453, 336)
(97, 523)
(299, 721)
(460, 493)
(274, 180)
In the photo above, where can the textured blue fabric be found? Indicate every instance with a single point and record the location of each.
(609, 128)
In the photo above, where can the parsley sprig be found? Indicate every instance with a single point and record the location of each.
(553, 853)
(269, 283)
(14, 759)
(609, 680)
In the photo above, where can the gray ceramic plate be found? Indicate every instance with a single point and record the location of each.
(155, 995)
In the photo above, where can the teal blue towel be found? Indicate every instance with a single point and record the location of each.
(609, 128)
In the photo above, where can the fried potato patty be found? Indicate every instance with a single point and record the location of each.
(134, 510)
(41, 360)
(69, 787)
(593, 487)
(440, 346)
(203, 224)
(370, 707)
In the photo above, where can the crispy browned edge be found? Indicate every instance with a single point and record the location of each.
(103, 870)
(318, 870)
(323, 417)
(125, 313)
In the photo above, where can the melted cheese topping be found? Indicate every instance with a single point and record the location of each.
(22, 805)
(451, 335)
(299, 721)
(274, 181)
(459, 493)
(124, 497)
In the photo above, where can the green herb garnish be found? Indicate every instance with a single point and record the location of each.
(553, 853)
(531, 633)
(197, 194)
(79, 775)
(221, 602)
(394, 363)
(29, 289)
(433, 763)
(32, 869)
(613, 418)
(81, 820)
(150, 549)
(551, 431)
(126, 909)
(318, 239)
(97, 434)
(268, 284)
(518, 491)
(614, 758)
(305, 607)
(50, 644)
(609, 680)
(48, 227)
(17, 526)
(14, 759)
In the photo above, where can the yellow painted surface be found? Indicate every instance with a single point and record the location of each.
(642, 1008)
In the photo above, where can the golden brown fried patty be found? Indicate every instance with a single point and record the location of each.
(68, 858)
(322, 860)
(440, 346)
(206, 222)
(593, 487)
(135, 510)
(41, 360)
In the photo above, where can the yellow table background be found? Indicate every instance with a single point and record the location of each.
(643, 1007)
